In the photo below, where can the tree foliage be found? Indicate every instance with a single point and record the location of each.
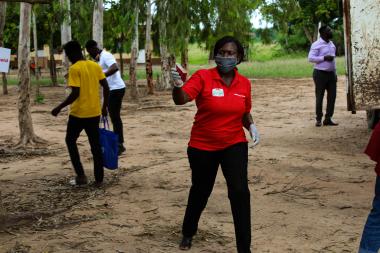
(297, 21)
(194, 21)
(217, 18)
(118, 25)
(11, 26)
(81, 20)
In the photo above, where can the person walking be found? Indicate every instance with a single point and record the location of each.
(85, 110)
(322, 54)
(117, 87)
(223, 99)
(370, 242)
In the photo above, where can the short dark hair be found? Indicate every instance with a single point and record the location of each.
(91, 44)
(227, 39)
(73, 49)
(323, 29)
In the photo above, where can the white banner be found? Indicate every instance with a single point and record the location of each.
(5, 59)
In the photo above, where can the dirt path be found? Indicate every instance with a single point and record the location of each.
(311, 187)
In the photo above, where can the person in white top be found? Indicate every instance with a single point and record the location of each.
(116, 84)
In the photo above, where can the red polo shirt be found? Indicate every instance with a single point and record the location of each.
(373, 147)
(218, 121)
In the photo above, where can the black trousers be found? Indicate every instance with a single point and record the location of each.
(204, 166)
(114, 107)
(91, 127)
(324, 81)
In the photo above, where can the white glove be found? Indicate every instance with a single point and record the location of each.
(176, 78)
(254, 134)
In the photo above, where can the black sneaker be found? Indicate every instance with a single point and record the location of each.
(318, 123)
(121, 149)
(97, 184)
(79, 180)
(185, 243)
(329, 122)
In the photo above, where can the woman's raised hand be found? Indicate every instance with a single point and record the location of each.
(176, 78)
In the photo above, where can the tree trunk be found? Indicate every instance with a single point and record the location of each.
(5, 83)
(52, 65)
(185, 54)
(134, 54)
(121, 43)
(311, 35)
(65, 33)
(97, 23)
(148, 51)
(2, 212)
(165, 65)
(3, 12)
(121, 62)
(27, 136)
(36, 70)
(316, 31)
(210, 56)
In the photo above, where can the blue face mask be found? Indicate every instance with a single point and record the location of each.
(225, 64)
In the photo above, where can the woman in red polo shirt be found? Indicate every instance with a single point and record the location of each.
(223, 99)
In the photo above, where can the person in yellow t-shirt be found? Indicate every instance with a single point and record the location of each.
(85, 110)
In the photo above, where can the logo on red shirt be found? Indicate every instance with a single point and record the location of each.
(217, 92)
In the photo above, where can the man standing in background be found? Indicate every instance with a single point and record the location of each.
(85, 110)
(322, 54)
(116, 84)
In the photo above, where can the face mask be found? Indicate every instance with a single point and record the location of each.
(225, 64)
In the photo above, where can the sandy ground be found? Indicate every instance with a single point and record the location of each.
(311, 188)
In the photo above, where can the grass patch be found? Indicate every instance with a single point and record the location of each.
(197, 55)
(45, 81)
(284, 68)
(277, 68)
(267, 61)
(262, 52)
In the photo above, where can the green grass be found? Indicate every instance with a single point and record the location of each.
(262, 52)
(197, 55)
(45, 81)
(283, 68)
(278, 68)
(268, 61)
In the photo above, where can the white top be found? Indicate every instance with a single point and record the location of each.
(115, 81)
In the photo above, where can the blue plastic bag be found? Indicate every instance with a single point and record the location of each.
(109, 142)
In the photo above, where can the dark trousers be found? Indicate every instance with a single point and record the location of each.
(204, 166)
(370, 242)
(324, 81)
(114, 107)
(91, 127)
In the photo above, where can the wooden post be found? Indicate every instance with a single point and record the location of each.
(3, 12)
(165, 64)
(97, 23)
(36, 69)
(134, 55)
(148, 51)
(65, 33)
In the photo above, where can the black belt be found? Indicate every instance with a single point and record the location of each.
(324, 71)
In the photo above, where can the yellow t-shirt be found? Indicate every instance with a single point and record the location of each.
(86, 75)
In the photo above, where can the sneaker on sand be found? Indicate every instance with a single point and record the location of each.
(78, 180)
(121, 149)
